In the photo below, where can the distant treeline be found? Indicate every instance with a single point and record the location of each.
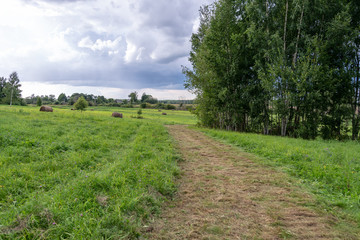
(10, 93)
(281, 67)
(62, 99)
(93, 100)
(176, 101)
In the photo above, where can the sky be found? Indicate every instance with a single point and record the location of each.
(100, 47)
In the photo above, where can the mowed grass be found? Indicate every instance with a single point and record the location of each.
(172, 117)
(73, 175)
(330, 168)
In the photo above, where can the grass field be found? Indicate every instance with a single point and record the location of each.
(84, 175)
(172, 117)
(330, 168)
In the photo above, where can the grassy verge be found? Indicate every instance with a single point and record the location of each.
(330, 168)
(77, 175)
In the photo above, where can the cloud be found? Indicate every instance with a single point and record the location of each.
(124, 43)
(99, 44)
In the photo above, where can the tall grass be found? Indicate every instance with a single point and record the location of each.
(332, 168)
(79, 175)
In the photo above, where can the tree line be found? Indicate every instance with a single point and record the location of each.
(10, 93)
(63, 99)
(281, 67)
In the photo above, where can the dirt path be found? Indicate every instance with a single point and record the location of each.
(225, 195)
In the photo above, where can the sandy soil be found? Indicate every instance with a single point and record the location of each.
(223, 194)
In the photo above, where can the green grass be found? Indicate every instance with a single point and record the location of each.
(330, 168)
(73, 175)
(172, 117)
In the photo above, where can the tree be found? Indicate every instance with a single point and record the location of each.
(101, 100)
(12, 90)
(145, 97)
(81, 104)
(2, 88)
(52, 98)
(133, 97)
(38, 101)
(148, 99)
(285, 67)
(62, 98)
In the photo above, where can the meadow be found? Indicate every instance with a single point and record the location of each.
(330, 169)
(84, 175)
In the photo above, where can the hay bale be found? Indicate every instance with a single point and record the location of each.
(46, 109)
(164, 113)
(117, 115)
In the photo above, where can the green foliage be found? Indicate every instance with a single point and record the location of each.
(139, 112)
(170, 107)
(148, 99)
(145, 105)
(38, 102)
(331, 168)
(60, 180)
(10, 92)
(2, 88)
(81, 104)
(62, 98)
(279, 67)
(133, 97)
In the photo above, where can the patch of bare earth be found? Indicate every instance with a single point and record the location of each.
(225, 195)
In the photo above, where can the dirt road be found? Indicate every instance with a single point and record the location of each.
(223, 194)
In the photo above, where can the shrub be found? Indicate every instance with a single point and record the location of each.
(160, 106)
(170, 107)
(81, 104)
(38, 102)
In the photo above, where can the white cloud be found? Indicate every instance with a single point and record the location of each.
(107, 43)
(132, 52)
(99, 45)
(85, 43)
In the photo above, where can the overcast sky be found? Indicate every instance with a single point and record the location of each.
(101, 47)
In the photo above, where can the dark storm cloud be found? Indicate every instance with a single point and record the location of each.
(124, 43)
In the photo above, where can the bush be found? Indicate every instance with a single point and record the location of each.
(189, 108)
(160, 106)
(81, 104)
(38, 102)
(146, 105)
(170, 107)
(127, 106)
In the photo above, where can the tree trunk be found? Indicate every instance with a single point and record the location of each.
(11, 96)
(285, 24)
(298, 35)
(284, 123)
(284, 119)
(266, 118)
(355, 107)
